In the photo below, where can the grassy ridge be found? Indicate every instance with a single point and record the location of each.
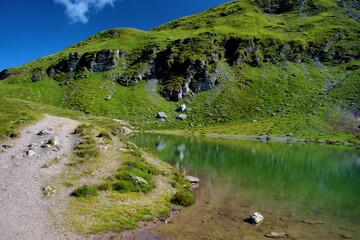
(14, 115)
(312, 97)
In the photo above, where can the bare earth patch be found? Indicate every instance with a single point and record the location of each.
(23, 205)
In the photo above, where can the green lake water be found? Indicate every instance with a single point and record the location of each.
(310, 191)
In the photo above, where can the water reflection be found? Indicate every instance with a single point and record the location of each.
(302, 177)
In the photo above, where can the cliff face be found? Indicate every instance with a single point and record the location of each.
(78, 65)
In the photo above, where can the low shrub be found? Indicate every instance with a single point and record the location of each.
(85, 191)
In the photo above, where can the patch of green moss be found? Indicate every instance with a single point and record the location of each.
(184, 197)
(85, 191)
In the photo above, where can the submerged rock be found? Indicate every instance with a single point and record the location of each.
(256, 217)
(276, 235)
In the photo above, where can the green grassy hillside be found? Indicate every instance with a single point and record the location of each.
(245, 67)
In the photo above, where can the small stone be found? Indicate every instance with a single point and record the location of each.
(256, 217)
(288, 134)
(45, 132)
(54, 142)
(191, 125)
(30, 153)
(273, 114)
(254, 121)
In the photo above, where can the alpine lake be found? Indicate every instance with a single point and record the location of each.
(308, 191)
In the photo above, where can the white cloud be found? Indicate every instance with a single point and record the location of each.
(77, 10)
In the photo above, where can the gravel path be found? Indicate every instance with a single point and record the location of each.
(23, 208)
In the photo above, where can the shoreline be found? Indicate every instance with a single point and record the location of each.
(263, 138)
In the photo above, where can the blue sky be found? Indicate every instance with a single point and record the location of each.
(31, 29)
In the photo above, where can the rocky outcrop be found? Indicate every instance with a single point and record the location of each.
(130, 79)
(4, 74)
(77, 64)
(272, 51)
(283, 6)
(38, 74)
(178, 70)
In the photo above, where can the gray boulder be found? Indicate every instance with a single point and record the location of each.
(182, 116)
(192, 179)
(182, 108)
(161, 115)
(288, 134)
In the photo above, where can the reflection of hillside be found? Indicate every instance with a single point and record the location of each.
(320, 176)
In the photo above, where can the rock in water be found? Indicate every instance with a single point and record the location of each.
(182, 116)
(276, 235)
(256, 217)
(161, 115)
(192, 179)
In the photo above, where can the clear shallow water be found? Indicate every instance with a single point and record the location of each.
(310, 191)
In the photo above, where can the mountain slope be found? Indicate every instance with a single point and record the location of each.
(244, 67)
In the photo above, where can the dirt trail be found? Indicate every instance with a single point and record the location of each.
(23, 209)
